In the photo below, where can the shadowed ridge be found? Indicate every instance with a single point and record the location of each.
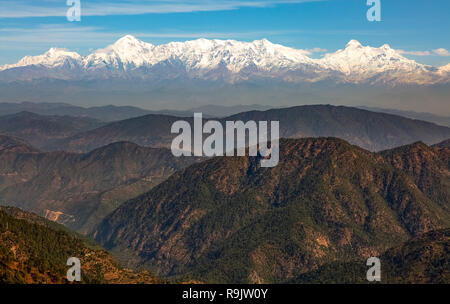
(15, 144)
(429, 167)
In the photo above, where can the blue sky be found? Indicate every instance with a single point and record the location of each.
(420, 28)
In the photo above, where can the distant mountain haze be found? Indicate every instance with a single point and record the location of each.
(40, 130)
(78, 190)
(437, 119)
(111, 113)
(114, 113)
(373, 131)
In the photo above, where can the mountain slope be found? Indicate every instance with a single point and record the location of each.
(437, 119)
(422, 260)
(78, 190)
(149, 130)
(229, 220)
(370, 130)
(40, 130)
(15, 144)
(443, 144)
(35, 251)
(427, 166)
(225, 60)
(364, 63)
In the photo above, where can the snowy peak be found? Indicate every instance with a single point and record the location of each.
(445, 70)
(127, 52)
(54, 57)
(386, 47)
(446, 67)
(355, 49)
(231, 60)
(201, 54)
(353, 44)
(360, 62)
(129, 45)
(127, 40)
(51, 56)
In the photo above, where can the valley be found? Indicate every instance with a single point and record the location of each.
(78, 190)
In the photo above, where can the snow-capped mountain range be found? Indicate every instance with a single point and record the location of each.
(226, 60)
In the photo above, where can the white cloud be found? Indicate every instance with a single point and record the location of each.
(414, 53)
(78, 38)
(436, 52)
(52, 8)
(53, 34)
(313, 50)
(441, 52)
(317, 50)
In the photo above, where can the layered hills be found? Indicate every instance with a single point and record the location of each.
(106, 113)
(79, 189)
(370, 130)
(15, 144)
(42, 130)
(329, 203)
(111, 113)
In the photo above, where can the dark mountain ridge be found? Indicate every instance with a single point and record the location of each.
(149, 130)
(107, 113)
(15, 144)
(41, 130)
(437, 119)
(369, 130)
(229, 220)
(443, 144)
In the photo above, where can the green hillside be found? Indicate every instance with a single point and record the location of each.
(422, 260)
(35, 251)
